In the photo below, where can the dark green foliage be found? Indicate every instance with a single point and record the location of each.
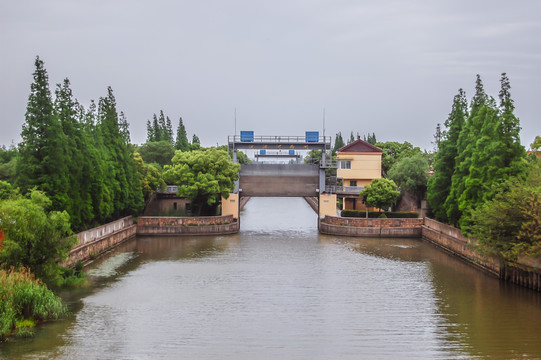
(122, 180)
(351, 138)
(486, 151)
(410, 174)
(43, 153)
(160, 129)
(338, 143)
(8, 163)
(376, 214)
(182, 142)
(34, 237)
(381, 193)
(439, 185)
(160, 152)
(371, 139)
(510, 223)
(70, 115)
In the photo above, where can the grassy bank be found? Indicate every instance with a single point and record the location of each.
(25, 301)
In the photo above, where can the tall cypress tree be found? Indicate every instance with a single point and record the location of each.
(126, 187)
(150, 131)
(42, 163)
(155, 128)
(182, 139)
(70, 114)
(439, 185)
(465, 148)
(169, 129)
(162, 128)
(338, 142)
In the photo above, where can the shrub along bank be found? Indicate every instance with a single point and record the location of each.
(24, 301)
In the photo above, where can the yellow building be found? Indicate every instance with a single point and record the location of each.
(358, 164)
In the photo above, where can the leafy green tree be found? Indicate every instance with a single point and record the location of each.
(313, 157)
(33, 236)
(439, 185)
(160, 152)
(150, 177)
(7, 190)
(410, 174)
(381, 193)
(182, 142)
(8, 163)
(536, 144)
(43, 163)
(203, 176)
(509, 224)
(394, 151)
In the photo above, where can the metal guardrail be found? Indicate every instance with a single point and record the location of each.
(278, 139)
(352, 190)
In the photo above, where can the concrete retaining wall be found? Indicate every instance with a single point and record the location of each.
(527, 272)
(101, 239)
(91, 235)
(209, 225)
(362, 227)
(450, 239)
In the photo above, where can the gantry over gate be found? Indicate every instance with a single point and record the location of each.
(280, 179)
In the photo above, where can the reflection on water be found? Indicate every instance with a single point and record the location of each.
(278, 289)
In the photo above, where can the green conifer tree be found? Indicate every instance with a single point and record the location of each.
(465, 148)
(439, 185)
(182, 139)
(169, 129)
(42, 163)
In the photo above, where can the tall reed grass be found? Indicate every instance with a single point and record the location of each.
(22, 297)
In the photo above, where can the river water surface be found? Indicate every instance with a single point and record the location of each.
(280, 290)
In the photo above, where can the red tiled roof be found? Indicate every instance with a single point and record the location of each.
(360, 146)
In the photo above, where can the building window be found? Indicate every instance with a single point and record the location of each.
(345, 164)
(353, 183)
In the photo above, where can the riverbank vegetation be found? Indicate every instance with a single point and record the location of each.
(25, 301)
(483, 181)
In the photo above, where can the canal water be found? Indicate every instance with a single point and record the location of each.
(280, 290)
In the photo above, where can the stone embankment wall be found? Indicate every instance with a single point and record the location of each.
(100, 239)
(211, 225)
(526, 273)
(450, 239)
(334, 225)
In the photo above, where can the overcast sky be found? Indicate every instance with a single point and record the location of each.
(388, 67)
